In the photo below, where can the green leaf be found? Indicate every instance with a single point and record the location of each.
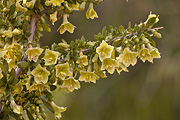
(19, 13)
(52, 87)
(48, 106)
(2, 22)
(29, 114)
(12, 10)
(6, 67)
(121, 29)
(22, 64)
(17, 23)
(151, 21)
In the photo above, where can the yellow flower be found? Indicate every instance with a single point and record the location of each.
(2, 52)
(121, 67)
(128, 57)
(13, 50)
(82, 6)
(50, 57)
(19, 7)
(144, 54)
(31, 4)
(152, 16)
(63, 70)
(16, 108)
(17, 31)
(71, 84)
(90, 12)
(153, 51)
(40, 74)
(57, 110)
(66, 25)
(53, 17)
(109, 64)
(8, 33)
(34, 53)
(56, 2)
(104, 50)
(98, 71)
(88, 76)
(82, 61)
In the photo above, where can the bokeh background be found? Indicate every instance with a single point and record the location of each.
(148, 91)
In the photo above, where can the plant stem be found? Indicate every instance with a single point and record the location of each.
(33, 24)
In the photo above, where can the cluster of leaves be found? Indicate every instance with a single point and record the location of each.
(29, 74)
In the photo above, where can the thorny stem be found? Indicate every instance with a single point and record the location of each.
(33, 24)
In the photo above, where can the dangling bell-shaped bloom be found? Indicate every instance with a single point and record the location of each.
(144, 54)
(82, 6)
(50, 57)
(152, 16)
(71, 84)
(121, 67)
(82, 61)
(34, 53)
(16, 108)
(66, 25)
(40, 74)
(109, 64)
(55, 2)
(57, 110)
(53, 17)
(63, 70)
(90, 12)
(104, 50)
(128, 57)
(98, 71)
(88, 76)
(153, 51)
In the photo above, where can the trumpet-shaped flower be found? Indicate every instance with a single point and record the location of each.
(121, 67)
(88, 76)
(31, 4)
(19, 7)
(153, 51)
(56, 2)
(66, 25)
(82, 61)
(16, 108)
(12, 50)
(63, 70)
(98, 71)
(71, 84)
(57, 110)
(128, 57)
(104, 50)
(144, 54)
(40, 74)
(152, 16)
(90, 12)
(50, 57)
(34, 53)
(109, 64)
(82, 6)
(53, 17)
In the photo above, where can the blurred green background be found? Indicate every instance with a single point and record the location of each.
(148, 91)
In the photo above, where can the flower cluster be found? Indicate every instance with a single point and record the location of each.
(29, 73)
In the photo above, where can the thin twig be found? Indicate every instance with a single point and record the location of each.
(158, 28)
(33, 25)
